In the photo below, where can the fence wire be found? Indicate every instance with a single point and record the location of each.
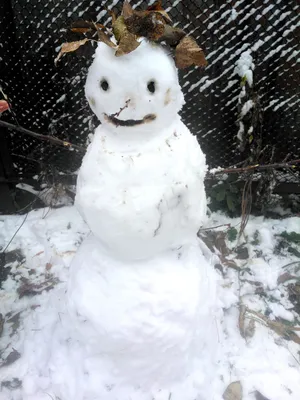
(50, 99)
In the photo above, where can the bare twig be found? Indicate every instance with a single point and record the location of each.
(121, 109)
(214, 227)
(39, 136)
(246, 205)
(258, 167)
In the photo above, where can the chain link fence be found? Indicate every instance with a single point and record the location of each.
(50, 99)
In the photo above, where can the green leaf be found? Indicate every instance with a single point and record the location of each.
(291, 236)
(221, 194)
(230, 202)
(233, 189)
(232, 234)
(243, 80)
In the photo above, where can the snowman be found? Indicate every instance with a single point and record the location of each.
(141, 317)
(141, 295)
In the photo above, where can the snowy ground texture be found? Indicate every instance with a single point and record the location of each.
(259, 286)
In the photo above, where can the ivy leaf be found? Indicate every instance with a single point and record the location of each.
(188, 53)
(232, 234)
(69, 48)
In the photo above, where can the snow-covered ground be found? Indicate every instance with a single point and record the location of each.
(258, 287)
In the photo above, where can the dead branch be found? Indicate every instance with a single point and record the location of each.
(48, 138)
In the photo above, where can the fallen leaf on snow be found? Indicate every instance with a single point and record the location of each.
(13, 384)
(48, 266)
(15, 322)
(32, 289)
(246, 328)
(11, 358)
(286, 331)
(234, 391)
(286, 277)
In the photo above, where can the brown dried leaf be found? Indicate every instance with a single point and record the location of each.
(32, 289)
(126, 41)
(220, 243)
(285, 277)
(48, 266)
(113, 16)
(70, 47)
(157, 7)
(247, 330)
(81, 30)
(172, 36)
(127, 10)
(148, 25)
(103, 37)
(285, 331)
(11, 358)
(100, 26)
(251, 328)
(188, 53)
(230, 264)
(81, 23)
(234, 391)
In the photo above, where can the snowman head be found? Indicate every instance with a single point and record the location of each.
(136, 92)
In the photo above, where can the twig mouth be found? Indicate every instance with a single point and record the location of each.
(129, 122)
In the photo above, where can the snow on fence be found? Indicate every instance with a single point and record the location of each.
(49, 99)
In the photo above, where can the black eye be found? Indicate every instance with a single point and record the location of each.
(151, 86)
(104, 85)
